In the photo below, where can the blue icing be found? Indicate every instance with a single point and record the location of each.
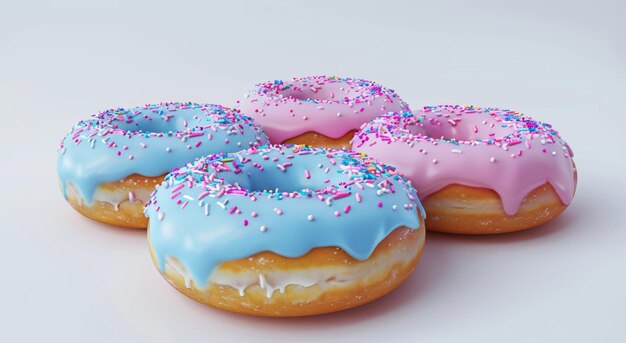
(150, 141)
(202, 214)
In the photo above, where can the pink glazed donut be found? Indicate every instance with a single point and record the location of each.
(477, 170)
(321, 111)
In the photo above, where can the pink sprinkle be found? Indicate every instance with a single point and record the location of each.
(232, 210)
(337, 213)
(380, 204)
(281, 167)
(131, 196)
(220, 193)
(307, 174)
(347, 209)
(226, 141)
(341, 195)
(245, 222)
(175, 195)
(278, 211)
(358, 197)
(254, 214)
(178, 188)
(203, 194)
(198, 143)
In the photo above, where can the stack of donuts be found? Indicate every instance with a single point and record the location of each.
(311, 195)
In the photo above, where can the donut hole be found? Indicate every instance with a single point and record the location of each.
(311, 91)
(292, 179)
(148, 121)
(468, 127)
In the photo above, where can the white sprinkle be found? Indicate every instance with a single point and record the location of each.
(457, 151)
(160, 216)
(206, 209)
(394, 207)
(263, 228)
(543, 142)
(131, 157)
(493, 160)
(435, 161)
(168, 149)
(310, 218)
(554, 153)
(338, 114)
(131, 196)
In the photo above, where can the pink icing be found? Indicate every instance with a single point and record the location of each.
(327, 105)
(480, 147)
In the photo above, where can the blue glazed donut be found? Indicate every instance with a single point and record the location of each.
(213, 223)
(109, 164)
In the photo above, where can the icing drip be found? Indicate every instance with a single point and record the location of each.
(150, 140)
(331, 106)
(502, 150)
(283, 199)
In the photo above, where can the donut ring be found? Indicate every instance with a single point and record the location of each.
(477, 170)
(285, 230)
(321, 111)
(108, 165)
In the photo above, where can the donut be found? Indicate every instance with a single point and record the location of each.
(322, 111)
(285, 230)
(108, 165)
(477, 170)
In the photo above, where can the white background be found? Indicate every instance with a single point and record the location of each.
(564, 62)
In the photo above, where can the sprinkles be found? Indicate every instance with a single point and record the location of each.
(463, 145)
